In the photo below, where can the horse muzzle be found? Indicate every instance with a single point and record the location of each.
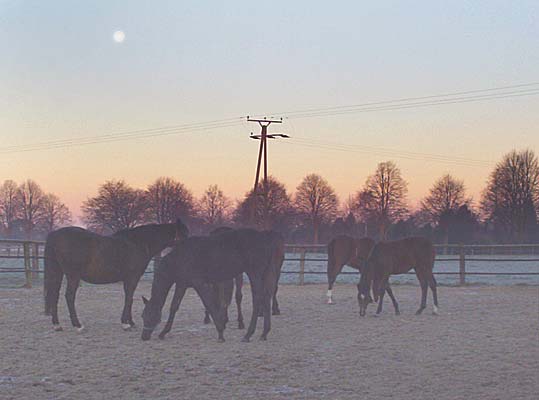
(146, 333)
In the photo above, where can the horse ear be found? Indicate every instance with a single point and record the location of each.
(145, 300)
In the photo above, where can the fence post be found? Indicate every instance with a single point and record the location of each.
(27, 265)
(302, 267)
(462, 265)
(35, 260)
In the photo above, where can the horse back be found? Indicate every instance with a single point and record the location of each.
(95, 258)
(412, 252)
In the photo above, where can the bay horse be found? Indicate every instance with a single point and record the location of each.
(345, 250)
(398, 257)
(199, 262)
(83, 255)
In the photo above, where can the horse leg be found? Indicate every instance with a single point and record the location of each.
(257, 290)
(274, 303)
(424, 286)
(54, 306)
(71, 292)
(275, 310)
(129, 290)
(433, 288)
(206, 294)
(332, 277)
(179, 292)
(207, 319)
(393, 299)
(266, 309)
(239, 296)
(380, 302)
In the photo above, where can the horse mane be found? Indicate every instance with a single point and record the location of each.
(145, 235)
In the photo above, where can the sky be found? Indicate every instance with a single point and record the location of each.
(63, 77)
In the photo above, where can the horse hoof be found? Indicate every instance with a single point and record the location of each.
(241, 325)
(221, 340)
(418, 312)
(276, 312)
(206, 322)
(329, 301)
(397, 313)
(80, 329)
(127, 327)
(435, 311)
(245, 340)
(263, 338)
(57, 328)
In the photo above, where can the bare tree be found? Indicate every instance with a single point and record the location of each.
(446, 196)
(316, 202)
(169, 199)
(383, 198)
(511, 200)
(273, 206)
(30, 201)
(117, 206)
(55, 214)
(9, 209)
(213, 206)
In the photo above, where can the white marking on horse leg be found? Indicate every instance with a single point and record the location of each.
(435, 310)
(81, 329)
(126, 327)
(57, 327)
(330, 299)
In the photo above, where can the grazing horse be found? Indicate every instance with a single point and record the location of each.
(121, 257)
(398, 257)
(346, 250)
(199, 262)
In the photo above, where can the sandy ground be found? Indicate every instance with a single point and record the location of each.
(484, 345)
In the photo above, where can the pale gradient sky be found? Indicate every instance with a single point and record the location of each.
(62, 76)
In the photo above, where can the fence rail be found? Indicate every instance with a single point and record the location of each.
(31, 252)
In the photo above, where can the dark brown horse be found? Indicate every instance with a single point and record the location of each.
(346, 250)
(122, 257)
(199, 262)
(398, 257)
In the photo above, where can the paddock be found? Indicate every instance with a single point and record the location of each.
(484, 345)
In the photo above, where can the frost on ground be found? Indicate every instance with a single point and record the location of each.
(484, 345)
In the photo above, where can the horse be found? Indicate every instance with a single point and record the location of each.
(345, 250)
(238, 284)
(199, 262)
(398, 257)
(121, 257)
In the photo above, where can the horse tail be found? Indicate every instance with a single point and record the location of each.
(52, 280)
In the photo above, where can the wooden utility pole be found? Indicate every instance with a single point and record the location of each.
(262, 152)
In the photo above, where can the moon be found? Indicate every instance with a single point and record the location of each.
(118, 36)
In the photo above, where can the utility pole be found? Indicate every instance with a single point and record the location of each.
(263, 151)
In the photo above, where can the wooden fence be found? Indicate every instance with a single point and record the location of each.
(448, 252)
(31, 253)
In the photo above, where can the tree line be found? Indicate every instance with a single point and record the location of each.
(506, 212)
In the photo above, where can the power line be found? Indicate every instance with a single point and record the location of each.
(501, 89)
(386, 153)
(501, 92)
(392, 152)
(128, 135)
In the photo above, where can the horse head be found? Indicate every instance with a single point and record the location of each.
(151, 317)
(181, 230)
